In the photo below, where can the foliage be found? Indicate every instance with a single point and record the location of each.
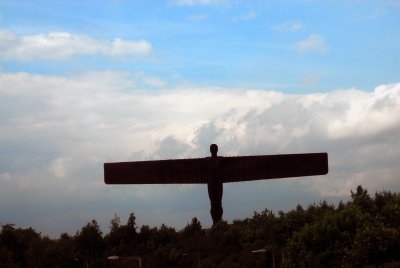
(362, 232)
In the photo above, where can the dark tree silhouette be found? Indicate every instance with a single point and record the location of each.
(362, 232)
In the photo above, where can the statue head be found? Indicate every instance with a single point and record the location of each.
(214, 150)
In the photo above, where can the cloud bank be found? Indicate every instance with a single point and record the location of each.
(56, 132)
(64, 45)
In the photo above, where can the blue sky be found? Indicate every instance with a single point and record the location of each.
(227, 43)
(88, 82)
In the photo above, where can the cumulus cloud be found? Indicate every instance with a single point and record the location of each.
(56, 132)
(64, 45)
(313, 43)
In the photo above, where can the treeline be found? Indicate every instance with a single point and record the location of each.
(362, 232)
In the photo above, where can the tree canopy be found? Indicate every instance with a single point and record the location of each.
(365, 231)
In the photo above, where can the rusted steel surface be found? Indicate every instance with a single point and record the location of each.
(223, 169)
(157, 172)
(248, 168)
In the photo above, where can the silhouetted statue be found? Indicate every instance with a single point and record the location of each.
(215, 171)
(215, 188)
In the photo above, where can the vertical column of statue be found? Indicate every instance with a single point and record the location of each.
(215, 188)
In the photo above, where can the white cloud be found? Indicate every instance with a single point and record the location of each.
(56, 132)
(313, 43)
(64, 45)
(368, 115)
(291, 26)
(57, 168)
(154, 81)
(122, 48)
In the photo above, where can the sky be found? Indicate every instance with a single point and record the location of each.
(88, 82)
